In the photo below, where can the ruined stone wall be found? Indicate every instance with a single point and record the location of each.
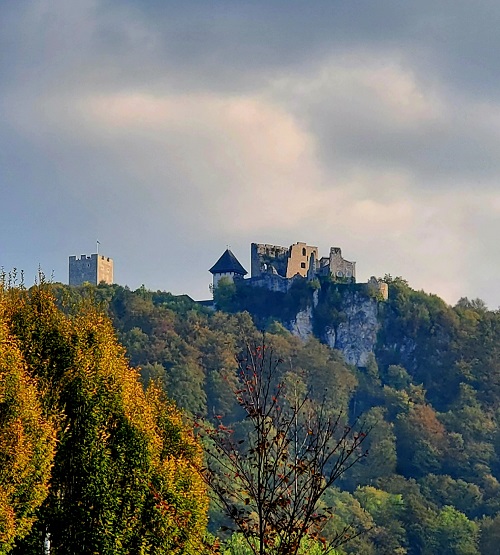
(270, 281)
(262, 256)
(299, 259)
(338, 267)
(285, 261)
(377, 289)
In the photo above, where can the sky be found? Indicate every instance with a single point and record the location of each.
(171, 130)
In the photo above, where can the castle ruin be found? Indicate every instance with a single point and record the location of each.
(301, 259)
(276, 268)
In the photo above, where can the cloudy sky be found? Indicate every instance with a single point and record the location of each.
(168, 130)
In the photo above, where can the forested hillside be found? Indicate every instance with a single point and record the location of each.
(95, 458)
(430, 392)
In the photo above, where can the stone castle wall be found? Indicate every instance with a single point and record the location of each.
(299, 259)
(336, 266)
(263, 255)
(272, 282)
(284, 261)
(94, 269)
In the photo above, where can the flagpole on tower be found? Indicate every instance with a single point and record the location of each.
(97, 245)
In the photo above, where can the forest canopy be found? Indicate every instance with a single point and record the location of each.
(430, 394)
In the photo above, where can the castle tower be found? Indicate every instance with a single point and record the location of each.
(94, 269)
(227, 266)
(299, 259)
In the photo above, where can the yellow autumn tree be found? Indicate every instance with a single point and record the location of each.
(27, 441)
(124, 478)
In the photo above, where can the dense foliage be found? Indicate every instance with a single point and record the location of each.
(27, 442)
(271, 479)
(431, 483)
(90, 461)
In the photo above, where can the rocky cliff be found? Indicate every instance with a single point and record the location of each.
(347, 321)
(345, 316)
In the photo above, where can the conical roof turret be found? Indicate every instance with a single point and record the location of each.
(228, 263)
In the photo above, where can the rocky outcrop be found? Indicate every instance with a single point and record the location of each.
(355, 335)
(302, 324)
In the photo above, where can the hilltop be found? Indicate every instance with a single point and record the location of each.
(429, 384)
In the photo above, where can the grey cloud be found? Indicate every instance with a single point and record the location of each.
(62, 174)
(443, 154)
(239, 46)
(455, 40)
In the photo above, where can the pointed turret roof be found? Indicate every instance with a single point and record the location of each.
(228, 263)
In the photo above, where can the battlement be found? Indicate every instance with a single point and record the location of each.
(95, 269)
(86, 257)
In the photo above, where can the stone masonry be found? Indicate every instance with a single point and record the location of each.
(94, 269)
(301, 259)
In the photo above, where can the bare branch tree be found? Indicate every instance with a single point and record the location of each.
(270, 483)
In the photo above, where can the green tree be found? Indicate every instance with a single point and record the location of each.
(381, 445)
(421, 441)
(387, 511)
(454, 534)
(490, 535)
(225, 294)
(351, 520)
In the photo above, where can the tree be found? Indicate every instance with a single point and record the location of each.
(27, 443)
(224, 294)
(349, 513)
(387, 510)
(454, 534)
(270, 478)
(490, 535)
(125, 477)
(421, 441)
(381, 444)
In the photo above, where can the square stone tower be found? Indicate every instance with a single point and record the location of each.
(94, 269)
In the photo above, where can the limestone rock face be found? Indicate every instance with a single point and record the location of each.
(330, 337)
(302, 325)
(355, 336)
